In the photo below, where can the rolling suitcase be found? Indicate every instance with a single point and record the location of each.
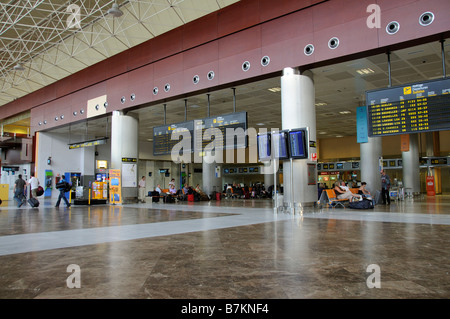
(33, 202)
(155, 197)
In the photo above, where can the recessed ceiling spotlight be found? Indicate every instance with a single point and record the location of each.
(345, 112)
(275, 89)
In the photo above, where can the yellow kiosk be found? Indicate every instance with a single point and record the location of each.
(99, 190)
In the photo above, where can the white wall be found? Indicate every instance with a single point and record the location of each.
(63, 159)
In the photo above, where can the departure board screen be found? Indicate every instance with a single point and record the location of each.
(264, 147)
(413, 108)
(214, 130)
(297, 144)
(162, 137)
(280, 142)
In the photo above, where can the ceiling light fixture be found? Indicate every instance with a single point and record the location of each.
(115, 11)
(365, 71)
(275, 89)
(19, 67)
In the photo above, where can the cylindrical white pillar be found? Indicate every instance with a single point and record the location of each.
(411, 166)
(370, 172)
(268, 178)
(211, 174)
(298, 111)
(124, 144)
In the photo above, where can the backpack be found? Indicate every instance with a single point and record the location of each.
(363, 204)
(67, 187)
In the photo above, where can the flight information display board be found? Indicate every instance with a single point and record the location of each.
(280, 143)
(214, 130)
(413, 108)
(264, 147)
(162, 137)
(298, 143)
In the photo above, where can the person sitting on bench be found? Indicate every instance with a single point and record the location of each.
(341, 193)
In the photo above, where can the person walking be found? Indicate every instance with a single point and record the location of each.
(385, 185)
(63, 187)
(19, 190)
(34, 184)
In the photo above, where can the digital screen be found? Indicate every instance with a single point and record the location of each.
(162, 137)
(264, 147)
(280, 145)
(413, 108)
(439, 161)
(218, 129)
(211, 131)
(392, 163)
(226, 170)
(297, 144)
(339, 165)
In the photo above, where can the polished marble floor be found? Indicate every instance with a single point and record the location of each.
(226, 250)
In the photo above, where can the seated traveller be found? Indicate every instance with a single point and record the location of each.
(341, 193)
(363, 191)
(172, 190)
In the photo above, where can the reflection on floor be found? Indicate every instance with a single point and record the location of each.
(226, 249)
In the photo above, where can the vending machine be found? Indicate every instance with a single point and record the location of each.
(99, 190)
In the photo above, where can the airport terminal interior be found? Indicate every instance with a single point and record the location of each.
(246, 243)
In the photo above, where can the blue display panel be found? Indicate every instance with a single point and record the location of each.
(297, 143)
(280, 145)
(264, 147)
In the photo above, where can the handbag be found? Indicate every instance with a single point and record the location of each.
(39, 191)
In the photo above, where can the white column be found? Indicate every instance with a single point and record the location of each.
(211, 174)
(369, 164)
(298, 111)
(411, 166)
(124, 144)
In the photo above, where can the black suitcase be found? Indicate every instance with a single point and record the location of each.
(155, 197)
(364, 204)
(168, 199)
(33, 202)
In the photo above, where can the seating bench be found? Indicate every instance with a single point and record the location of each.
(333, 201)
